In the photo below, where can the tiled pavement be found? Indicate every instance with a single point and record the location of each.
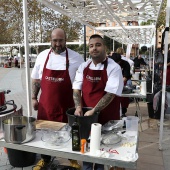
(150, 157)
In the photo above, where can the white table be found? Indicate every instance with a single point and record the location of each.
(115, 158)
(136, 96)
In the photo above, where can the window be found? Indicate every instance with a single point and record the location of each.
(103, 25)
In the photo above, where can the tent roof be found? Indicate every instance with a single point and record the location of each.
(90, 12)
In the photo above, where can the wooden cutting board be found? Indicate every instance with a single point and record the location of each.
(44, 124)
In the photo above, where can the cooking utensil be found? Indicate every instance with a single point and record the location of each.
(112, 125)
(19, 129)
(57, 138)
(111, 138)
(2, 99)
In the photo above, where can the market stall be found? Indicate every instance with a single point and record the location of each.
(98, 11)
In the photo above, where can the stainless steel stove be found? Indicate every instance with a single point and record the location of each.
(6, 112)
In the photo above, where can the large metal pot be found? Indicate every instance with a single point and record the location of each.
(19, 129)
(2, 98)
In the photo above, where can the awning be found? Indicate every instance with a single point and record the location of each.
(90, 12)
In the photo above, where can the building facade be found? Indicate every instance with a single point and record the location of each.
(90, 31)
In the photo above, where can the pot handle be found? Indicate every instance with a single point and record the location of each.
(19, 127)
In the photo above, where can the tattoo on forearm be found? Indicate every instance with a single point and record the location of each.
(104, 101)
(35, 88)
(77, 99)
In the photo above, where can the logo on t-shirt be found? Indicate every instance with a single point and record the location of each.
(54, 79)
(93, 79)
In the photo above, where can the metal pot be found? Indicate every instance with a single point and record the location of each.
(19, 129)
(2, 98)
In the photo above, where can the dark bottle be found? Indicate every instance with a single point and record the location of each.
(75, 136)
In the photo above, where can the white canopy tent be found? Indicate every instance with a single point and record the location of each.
(139, 34)
(164, 73)
(89, 12)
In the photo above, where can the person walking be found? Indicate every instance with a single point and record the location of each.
(53, 73)
(10, 62)
(16, 60)
(100, 82)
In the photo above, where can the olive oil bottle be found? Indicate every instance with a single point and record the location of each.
(75, 136)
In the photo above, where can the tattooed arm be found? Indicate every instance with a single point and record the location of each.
(103, 102)
(35, 91)
(77, 102)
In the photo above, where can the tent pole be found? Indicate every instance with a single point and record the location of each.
(84, 39)
(164, 75)
(153, 61)
(20, 56)
(28, 81)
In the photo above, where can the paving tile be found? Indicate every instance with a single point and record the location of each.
(150, 151)
(157, 160)
(28, 168)
(166, 150)
(147, 137)
(167, 166)
(147, 166)
(167, 162)
(7, 167)
(143, 144)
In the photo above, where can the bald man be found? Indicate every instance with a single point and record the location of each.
(53, 73)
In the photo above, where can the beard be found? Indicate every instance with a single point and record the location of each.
(58, 50)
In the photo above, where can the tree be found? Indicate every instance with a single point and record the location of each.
(148, 22)
(162, 15)
(41, 21)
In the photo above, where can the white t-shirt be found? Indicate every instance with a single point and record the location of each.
(57, 62)
(114, 83)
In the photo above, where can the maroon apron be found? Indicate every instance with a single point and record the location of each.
(57, 94)
(94, 82)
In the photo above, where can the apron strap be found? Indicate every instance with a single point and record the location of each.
(67, 60)
(105, 63)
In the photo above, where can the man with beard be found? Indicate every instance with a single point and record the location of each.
(53, 73)
(98, 84)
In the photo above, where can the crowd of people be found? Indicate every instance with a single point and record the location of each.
(14, 61)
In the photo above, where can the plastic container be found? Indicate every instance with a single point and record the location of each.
(83, 121)
(132, 123)
(136, 76)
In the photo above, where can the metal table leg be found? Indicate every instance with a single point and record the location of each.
(138, 113)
